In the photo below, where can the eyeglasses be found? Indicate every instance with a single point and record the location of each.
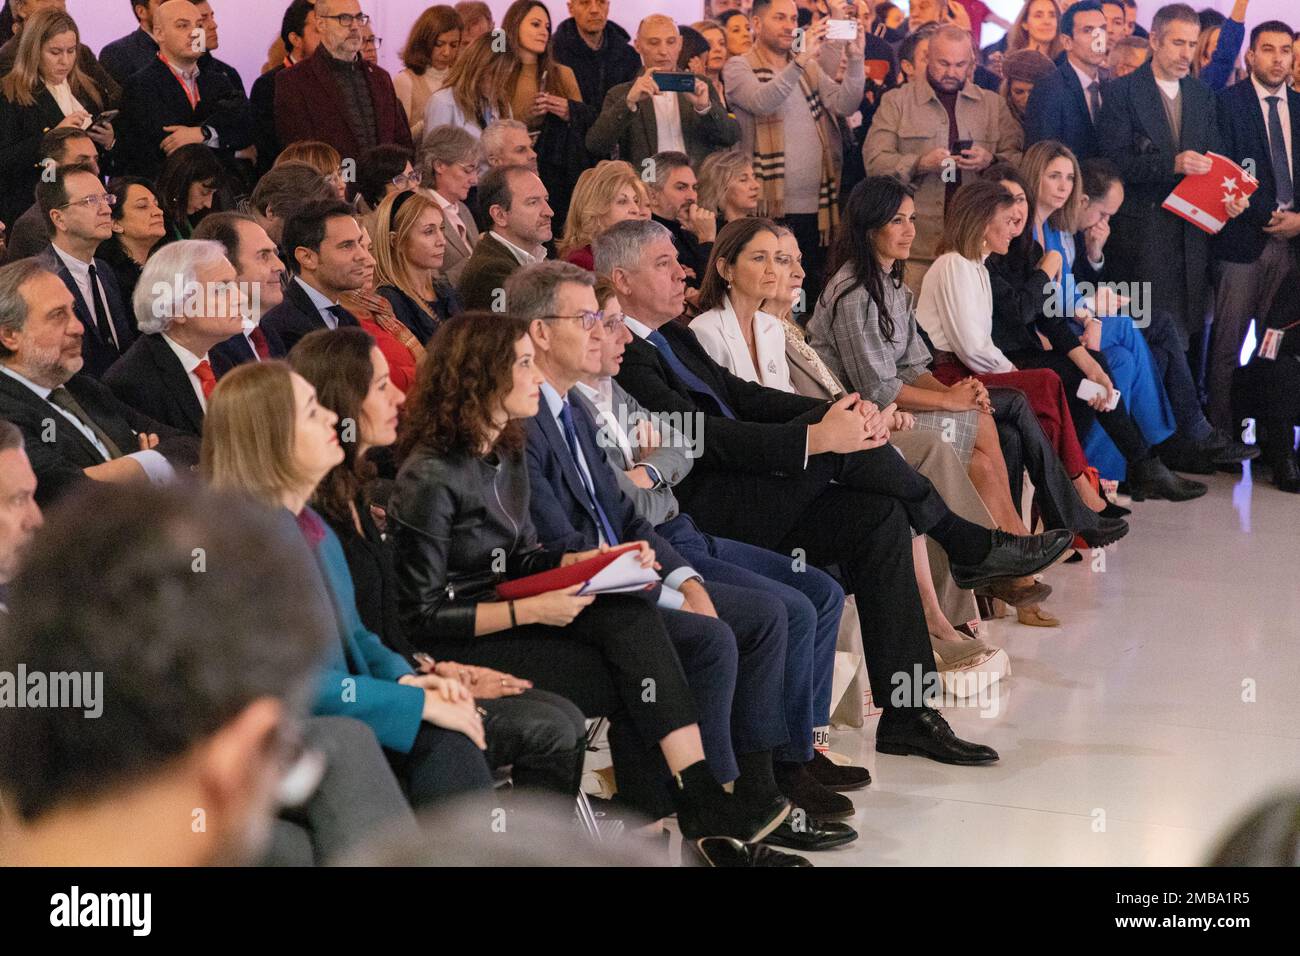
(347, 19)
(588, 319)
(613, 323)
(95, 199)
(407, 180)
(375, 42)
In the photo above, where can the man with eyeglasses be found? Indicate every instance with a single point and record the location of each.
(337, 95)
(175, 101)
(370, 44)
(515, 201)
(78, 212)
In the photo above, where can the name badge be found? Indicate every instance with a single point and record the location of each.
(1271, 342)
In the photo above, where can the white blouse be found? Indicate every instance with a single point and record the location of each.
(67, 101)
(719, 332)
(956, 310)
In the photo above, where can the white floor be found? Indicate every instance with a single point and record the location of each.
(1129, 735)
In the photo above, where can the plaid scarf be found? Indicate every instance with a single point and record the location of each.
(769, 151)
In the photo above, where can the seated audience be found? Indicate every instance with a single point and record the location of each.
(326, 259)
(674, 204)
(322, 157)
(175, 101)
(138, 229)
(506, 143)
(199, 680)
(187, 304)
(409, 253)
(728, 186)
(515, 201)
(79, 212)
(451, 158)
(382, 171)
(45, 90)
(336, 96)
(190, 184)
(375, 314)
(606, 194)
(539, 735)
(638, 120)
(463, 437)
(61, 146)
(427, 59)
(259, 270)
(18, 508)
(73, 426)
(281, 193)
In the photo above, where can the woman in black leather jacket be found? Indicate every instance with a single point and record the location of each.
(460, 524)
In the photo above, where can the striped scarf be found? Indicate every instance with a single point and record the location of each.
(769, 151)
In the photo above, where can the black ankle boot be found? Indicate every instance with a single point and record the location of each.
(704, 809)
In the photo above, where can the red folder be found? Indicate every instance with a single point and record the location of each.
(559, 578)
(1201, 200)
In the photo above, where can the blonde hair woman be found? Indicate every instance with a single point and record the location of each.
(409, 247)
(470, 97)
(46, 89)
(728, 185)
(604, 195)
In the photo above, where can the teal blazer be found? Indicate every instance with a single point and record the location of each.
(359, 677)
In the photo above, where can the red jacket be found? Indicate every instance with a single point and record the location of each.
(306, 107)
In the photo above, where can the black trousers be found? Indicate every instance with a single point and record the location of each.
(440, 764)
(1268, 390)
(614, 660)
(1118, 423)
(541, 736)
(1058, 502)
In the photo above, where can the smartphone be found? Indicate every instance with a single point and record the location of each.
(841, 29)
(961, 146)
(105, 117)
(675, 82)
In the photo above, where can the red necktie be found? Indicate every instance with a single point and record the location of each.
(207, 381)
(260, 345)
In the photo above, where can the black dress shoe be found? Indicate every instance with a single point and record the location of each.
(927, 734)
(810, 796)
(704, 809)
(807, 835)
(1108, 531)
(1286, 473)
(1013, 556)
(726, 852)
(1151, 479)
(834, 777)
(1222, 449)
(1179, 454)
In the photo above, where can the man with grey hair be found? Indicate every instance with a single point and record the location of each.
(187, 302)
(799, 476)
(638, 119)
(20, 515)
(74, 427)
(506, 143)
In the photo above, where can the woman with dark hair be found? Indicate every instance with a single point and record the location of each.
(320, 156)
(956, 310)
(188, 187)
(459, 518)
(541, 735)
(739, 33)
(427, 58)
(381, 171)
(138, 229)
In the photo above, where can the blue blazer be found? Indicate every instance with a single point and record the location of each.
(1245, 136)
(559, 505)
(359, 676)
(1058, 109)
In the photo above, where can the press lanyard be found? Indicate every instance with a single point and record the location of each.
(193, 97)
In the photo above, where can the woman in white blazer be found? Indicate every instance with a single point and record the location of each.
(736, 333)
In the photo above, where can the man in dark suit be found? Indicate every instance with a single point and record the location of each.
(1260, 122)
(515, 201)
(638, 120)
(818, 481)
(300, 37)
(127, 56)
(259, 270)
(674, 204)
(78, 209)
(335, 95)
(1064, 105)
(73, 426)
(194, 304)
(594, 47)
(174, 102)
(20, 515)
(328, 259)
(1156, 125)
(61, 146)
(208, 21)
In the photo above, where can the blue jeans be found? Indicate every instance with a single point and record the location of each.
(813, 602)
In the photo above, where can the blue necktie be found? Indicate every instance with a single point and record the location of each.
(571, 436)
(693, 381)
(1277, 153)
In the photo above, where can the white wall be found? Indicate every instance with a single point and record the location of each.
(247, 27)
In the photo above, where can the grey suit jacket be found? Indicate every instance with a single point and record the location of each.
(670, 459)
(636, 135)
(458, 252)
